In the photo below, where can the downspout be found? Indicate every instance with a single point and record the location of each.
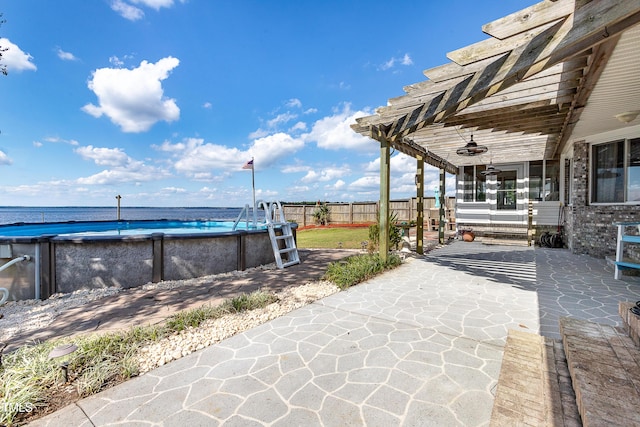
(4, 291)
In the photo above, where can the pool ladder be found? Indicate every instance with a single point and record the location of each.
(283, 244)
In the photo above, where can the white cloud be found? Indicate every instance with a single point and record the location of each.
(406, 60)
(281, 118)
(104, 156)
(326, 174)
(134, 99)
(55, 139)
(134, 172)
(391, 63)
(14, 58)
(300, 126)
(126, 10)
(37, 144)
(339, 184)
(4, 159)
(270, 149)
(367, 183)
(193, 156)
(174, 190)
(124, 169)
(335, 133)
(295, 169)
(65, 56)
(207, 105)
(294, 103)
(133, 13)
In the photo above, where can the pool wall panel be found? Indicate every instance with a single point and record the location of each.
(100, 264)
(190, 258)
(258, 251)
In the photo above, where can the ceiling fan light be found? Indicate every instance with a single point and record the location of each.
(471, 149)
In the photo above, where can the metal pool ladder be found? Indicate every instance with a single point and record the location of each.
(274, 217)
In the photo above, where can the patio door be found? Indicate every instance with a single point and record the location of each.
(507, 190)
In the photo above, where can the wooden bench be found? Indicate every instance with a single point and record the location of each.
(621, 262)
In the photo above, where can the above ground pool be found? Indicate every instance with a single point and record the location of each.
(117, 228)
(62, 257)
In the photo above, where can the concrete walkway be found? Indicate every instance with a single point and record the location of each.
(418, 346)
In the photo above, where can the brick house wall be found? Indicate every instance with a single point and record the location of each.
(590, 229)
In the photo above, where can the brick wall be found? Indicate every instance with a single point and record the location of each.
(590, 229)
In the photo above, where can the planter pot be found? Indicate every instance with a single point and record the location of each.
(468, 236)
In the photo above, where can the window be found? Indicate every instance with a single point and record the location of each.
(481, 184)
(535, 180)
(616, 172)
(568, 175)
(544, 180)
(475, 184)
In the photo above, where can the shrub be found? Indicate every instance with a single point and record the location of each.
(321, 214)
(395, 233)
(358, 268)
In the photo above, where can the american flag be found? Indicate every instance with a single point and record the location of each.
(248, 165)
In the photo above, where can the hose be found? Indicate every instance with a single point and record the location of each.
(4, 291)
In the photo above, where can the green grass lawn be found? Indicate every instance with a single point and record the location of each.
(330, 238)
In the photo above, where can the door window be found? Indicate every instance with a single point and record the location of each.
(507, 190)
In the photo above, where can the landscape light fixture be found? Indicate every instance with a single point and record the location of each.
(471, 149)
(60, 351)
(490, 170)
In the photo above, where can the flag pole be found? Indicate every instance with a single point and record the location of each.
(253, 186)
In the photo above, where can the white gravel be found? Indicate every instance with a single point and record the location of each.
(30, 315)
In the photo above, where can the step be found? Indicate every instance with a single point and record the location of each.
(630, 321)
(604, 364)
(284, 237)
(534, 387)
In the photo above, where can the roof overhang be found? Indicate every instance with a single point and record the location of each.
(523, 91)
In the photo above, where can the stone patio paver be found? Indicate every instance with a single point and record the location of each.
(420, 345)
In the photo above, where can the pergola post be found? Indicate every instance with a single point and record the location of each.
(442, 207)
(384, 198)
(420, 207)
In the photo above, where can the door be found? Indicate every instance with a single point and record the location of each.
(507, 190)
(508, 204)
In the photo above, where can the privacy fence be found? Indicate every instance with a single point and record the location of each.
(367, 212)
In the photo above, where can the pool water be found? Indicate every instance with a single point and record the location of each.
(117, 228)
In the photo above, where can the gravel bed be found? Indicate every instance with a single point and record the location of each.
(31, 315)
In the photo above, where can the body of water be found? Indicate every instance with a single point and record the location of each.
(12, 214)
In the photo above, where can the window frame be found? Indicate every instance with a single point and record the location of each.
(626, 141)
(472, 187)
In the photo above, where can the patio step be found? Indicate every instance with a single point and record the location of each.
(534, 388)
(630, 321)
(604, 364)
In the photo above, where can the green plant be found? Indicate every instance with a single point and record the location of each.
(321, 214)
(395, 233)
(358, 268)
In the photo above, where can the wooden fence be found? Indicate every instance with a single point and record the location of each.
(367, 212)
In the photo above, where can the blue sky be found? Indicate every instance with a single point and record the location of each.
(163, 101)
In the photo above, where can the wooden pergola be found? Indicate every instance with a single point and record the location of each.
(519, 92)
